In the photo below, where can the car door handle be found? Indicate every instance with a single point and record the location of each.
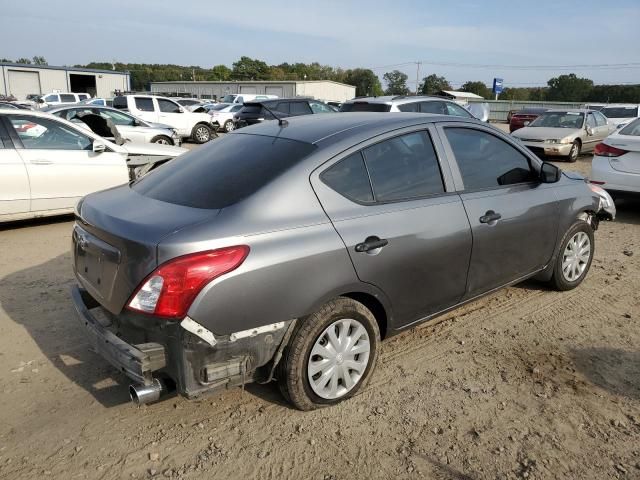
(490, 217)
(40, 161)
(371, 243)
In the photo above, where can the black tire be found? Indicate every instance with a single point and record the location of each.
(558, 280)
(229, 126)
(293, 378)
(574, 153)
(201, 133)
(162, 140)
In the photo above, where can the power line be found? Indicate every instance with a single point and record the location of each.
(597, 66)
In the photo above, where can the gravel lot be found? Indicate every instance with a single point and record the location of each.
(525, 383)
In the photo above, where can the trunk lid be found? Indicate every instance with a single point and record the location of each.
(115, 239)
(630, 161)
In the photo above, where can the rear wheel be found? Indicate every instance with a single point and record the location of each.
(201, 133)
(331, 355)
(162, 140)
(574, 258)
(229, 126)
(574, 153)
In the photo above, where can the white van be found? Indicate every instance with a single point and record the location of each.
(61, 98)
(245, 97)
(619, 114)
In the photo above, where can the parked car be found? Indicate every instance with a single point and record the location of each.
(293, 261)
(522, 118)
(246, 97)
(616, 161)
(565, 133)
(130, 127)
(619, 115)
(405, 103)
(195, 126)
(61, 98)
(222, 114)
(188, 103)
(8, 105)
(47, 164)
(101, 102)
(257, 111)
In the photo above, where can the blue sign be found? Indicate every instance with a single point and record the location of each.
(497, 86)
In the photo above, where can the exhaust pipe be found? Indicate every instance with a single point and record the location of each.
(142, 394)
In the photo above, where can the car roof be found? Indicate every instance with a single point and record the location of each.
(277, 100)
(396, 99)
(323, 128)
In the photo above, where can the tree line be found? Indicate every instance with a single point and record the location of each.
(567, 88)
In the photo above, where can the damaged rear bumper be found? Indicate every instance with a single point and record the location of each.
(184, 354)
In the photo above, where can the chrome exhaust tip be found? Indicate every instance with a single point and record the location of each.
(142, 394)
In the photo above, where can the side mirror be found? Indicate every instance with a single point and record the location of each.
(181, 110)
(98, 146)
(549, 173)
(589, 131)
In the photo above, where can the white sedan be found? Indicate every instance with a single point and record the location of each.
(222, 114)
(47, 164)
(616, 161)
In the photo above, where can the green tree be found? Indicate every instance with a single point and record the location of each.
(569, 88)
(520, 94)
(396, 83)
(479, 88)
(366, 82)
(250, 69)
(220, 73)
(432, 84)
(39, 60)
(24, 61)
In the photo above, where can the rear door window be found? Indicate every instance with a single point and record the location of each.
(144, 104)
(486, 161)
(365, 107)
(350, 179)
(403, 168)
(217, 176)
(67, 98)
(300, 108)
(410, 107)
(436, 107)
(283, 107)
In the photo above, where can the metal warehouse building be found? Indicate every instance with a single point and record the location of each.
(327, 90)
(21, 80)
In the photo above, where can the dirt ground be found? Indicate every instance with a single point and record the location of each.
(526, 383)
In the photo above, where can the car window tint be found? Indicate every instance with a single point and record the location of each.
(283, 107)
(51, 98)
(620, 112)
(591, 121)
(120, 102)
(236, 108)
(144, 104)
(485, 161)
(601, 120)
(67, 98)
(365, 107)
(403, 167)
(349, 178)
(457, 110)
(168, 106)
(318, 107)
(216, 174)
(300, 108)
(438, 108)
(409, 107)
(46, 134)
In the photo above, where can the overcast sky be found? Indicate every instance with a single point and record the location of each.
(347, 34)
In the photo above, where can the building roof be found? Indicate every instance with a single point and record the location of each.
(457, 94)
(51, 67)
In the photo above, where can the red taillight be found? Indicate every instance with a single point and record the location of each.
(169, 291)
(604, 150)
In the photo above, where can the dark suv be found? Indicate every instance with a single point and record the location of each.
(258, 111)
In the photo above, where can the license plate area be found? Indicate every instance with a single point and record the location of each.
(96, 263)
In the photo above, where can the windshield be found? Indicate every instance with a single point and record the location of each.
(632, 129)
(559, 120)
(215, 176)
(365, 107)
(229, 98)
(620, 112)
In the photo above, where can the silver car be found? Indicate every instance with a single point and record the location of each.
(565, 132)
(130, 128)
(287, 250)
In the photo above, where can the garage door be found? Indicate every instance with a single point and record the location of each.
(248, 89)
(22, 83)
(277, 91)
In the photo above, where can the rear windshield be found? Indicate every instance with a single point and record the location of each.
(632, 129)
(223, 172)
(365, 107)
(120, 102)
(620, 112)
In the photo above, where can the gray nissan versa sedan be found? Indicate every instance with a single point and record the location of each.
(288, 250)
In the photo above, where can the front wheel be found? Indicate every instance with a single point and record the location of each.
(574, 153)
(331, 355)
(229, 126)
(162, 140)
(201, 133)
(574, 258)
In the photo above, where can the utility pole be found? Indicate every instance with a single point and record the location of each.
(418, 76)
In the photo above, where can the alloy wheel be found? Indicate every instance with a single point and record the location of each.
(576, 256)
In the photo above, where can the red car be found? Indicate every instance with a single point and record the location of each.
(523, 117)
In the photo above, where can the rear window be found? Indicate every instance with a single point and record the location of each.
(120, 102)
(222, 172)
(365, 107)
(67, 98)
(620, 112)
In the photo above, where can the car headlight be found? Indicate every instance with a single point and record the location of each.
(606, 202)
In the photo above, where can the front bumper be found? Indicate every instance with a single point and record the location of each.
(549, 149)
(144, 348)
